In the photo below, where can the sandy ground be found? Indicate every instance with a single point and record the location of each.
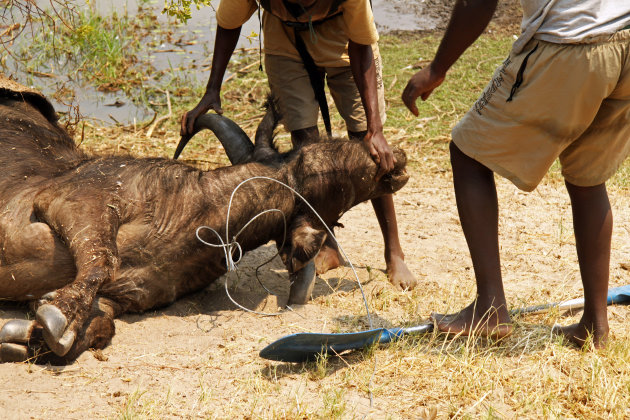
(199, 357)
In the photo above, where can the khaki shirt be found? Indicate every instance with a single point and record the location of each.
(328, 44)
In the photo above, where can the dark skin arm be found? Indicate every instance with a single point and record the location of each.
(364, 72)
(224, 45)
(468, 20)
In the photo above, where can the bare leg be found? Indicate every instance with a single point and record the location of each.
(478, 209)
(397, 271)
(592, 221)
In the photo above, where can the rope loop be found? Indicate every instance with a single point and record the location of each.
(231, 246)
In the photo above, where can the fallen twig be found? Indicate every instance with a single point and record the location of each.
(165, 117)
(249, 66)
(150, 122)
(40, 73)
(10, 29)
(115, 120)
(391, 85)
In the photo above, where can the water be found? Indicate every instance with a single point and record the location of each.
(189, 49)
(389, 15)
(401, 15)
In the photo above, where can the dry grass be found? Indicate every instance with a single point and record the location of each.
(527, 375)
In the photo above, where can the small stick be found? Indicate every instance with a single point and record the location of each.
(165, 117)
(249, 66)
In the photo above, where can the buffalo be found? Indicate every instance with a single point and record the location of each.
(86, 238)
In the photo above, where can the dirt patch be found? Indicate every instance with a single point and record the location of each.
(506, 18)
(198, 358)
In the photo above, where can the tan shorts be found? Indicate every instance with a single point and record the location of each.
(573, 103)
(289, 82)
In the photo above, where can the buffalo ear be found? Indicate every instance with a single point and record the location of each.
(306, 241)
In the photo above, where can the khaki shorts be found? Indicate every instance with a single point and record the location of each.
(573, 103)
(289, 82)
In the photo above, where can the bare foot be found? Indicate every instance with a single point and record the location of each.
(327, 259)
(581, 333)
(399, 274)
(492, 322)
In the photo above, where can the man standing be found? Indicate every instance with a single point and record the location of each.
(340, 36)
(563, 92)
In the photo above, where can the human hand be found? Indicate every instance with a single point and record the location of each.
(210, 100)
(421, 84)
(380, 152)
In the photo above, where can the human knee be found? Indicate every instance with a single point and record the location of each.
(588, 196)
(576, 189)
(461, 161)
(304, 136)
(357, 135)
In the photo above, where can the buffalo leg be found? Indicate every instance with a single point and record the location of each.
(306, 242)
(87, 221)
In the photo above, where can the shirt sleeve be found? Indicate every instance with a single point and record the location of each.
(234, 13)
(359, 20)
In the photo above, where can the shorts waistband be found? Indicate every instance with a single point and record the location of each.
(620, 35)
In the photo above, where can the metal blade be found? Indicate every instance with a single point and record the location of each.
(302, 347)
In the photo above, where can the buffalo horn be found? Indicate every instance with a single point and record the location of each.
(237, 144)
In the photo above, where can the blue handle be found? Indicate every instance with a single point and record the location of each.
(619, 294)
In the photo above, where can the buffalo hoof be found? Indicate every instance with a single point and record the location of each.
(14, 336)
(16, 331)
(302, 283)
(11, 353)
(54, 323)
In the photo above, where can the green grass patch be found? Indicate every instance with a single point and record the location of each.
(425, 138)
(403, 55)
(87, 46)
(108, 52)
